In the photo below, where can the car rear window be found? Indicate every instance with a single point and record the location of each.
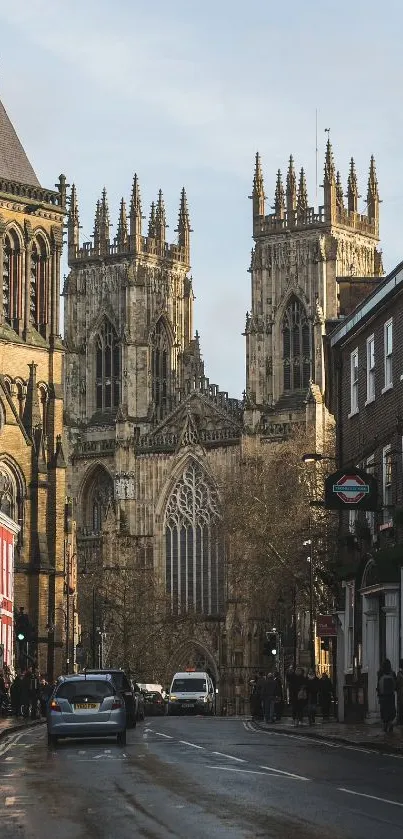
(90, 688)
(189, 685)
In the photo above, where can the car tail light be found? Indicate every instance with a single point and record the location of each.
(54, 706)
(116, 704)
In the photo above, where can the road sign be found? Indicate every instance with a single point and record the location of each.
(351, 489)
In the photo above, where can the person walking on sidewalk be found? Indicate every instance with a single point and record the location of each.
(399, 693)
(386, 695)
(298, 695)
(325, 696)
(312, 690)
(15, 694)
(269, 696)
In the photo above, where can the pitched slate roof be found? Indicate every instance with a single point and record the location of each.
(14, 164)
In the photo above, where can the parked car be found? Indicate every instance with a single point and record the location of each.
(154, 703)
(125, 688)
(139, 701)
(86, 705)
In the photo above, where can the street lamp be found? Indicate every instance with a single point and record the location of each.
(315, 457)
(308, 543)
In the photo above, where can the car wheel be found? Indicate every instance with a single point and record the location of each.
(52, 740)
(121, 738)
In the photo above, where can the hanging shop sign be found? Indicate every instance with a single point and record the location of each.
(351, 488)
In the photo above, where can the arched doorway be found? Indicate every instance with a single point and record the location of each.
(192, 654)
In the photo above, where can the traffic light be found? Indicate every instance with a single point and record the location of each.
(270, 646)
(22, 626)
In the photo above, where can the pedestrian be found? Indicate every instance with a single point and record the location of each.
(312, 691)
(34, 688)
(278, 707)
(386, 695)
(15, 694)
(298, 695)
(255, 702)
(399, 693)
(26, 693)
(45, 692)
(269, 694)
(325, 696)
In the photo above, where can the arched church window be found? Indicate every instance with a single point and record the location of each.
(11, 277)
(161, 370)
(11, 495)
(107, 368)
(296, 347)
(97, 497)
(43, 396)
(194, 559)
(20, 399)
(38, 303)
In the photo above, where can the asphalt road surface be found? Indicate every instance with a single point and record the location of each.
(200, 779)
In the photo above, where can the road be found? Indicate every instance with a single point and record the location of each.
(198, 778)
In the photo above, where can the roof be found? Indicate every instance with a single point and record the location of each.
(85, 677)
(14, 164)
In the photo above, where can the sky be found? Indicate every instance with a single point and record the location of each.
(185, 93)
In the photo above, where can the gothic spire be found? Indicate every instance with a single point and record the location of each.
(258, 196)
(121, 235)
(352, 189)
(102, 224)
(183, 229)
(160, 219)
(372, 192)
(32, 418)
(135, 215)
(279, 196)
(339, 191)
(97, 224)
(151, 222)
(291, 187)
(302, 198)
(329, 163)
(73, 225)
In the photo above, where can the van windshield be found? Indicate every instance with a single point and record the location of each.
(189, 685)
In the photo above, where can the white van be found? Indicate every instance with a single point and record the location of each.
(193, 691)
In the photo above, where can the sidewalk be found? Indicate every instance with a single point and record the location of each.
(10, 725)
(362, 735)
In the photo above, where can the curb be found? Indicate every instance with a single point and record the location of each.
(4, 732)
(384, 748)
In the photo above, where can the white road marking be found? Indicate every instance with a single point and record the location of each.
(10, 801)
(243, 771)
(287, 774)
(9, 758)
(194, 746)
(230, 757)
(160, 734)
(373, 797)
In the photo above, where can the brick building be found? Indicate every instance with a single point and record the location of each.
(365, 394)
(32, 466)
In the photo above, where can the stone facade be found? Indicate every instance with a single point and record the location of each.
(32, 463)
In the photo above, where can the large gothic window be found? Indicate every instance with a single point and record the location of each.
(161, 370)
(296, 347)
(107, 368)
(194, 548)
(39, 284)
(97, 496)
(11, 278)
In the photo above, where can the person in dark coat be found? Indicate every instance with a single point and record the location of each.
(255, 701)
(45, 692)
(312, 691)
(386, 695)
(15, 694)
(297, 693)
(279, 703)
(325, 695)
(269, 697)
(26, 692)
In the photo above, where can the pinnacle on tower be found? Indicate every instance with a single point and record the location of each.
(302, 197)
(258, 196)
(73, 225)
(291, 188)
(183, 229)
(32, 418)
(339, 191)
(121, 235)
(372, 193)
(329, 163)
(352, 189)
(135, 216)
(97, 222)
(160, 220)
(151, 222)
(279, 197)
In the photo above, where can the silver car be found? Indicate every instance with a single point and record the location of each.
(86, 706)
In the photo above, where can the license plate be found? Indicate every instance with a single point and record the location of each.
(88, 706)
(190, 705)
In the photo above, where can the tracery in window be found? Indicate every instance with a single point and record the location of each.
(107, 368)
(11, 277)
(296, 347)
(98, 495)
(161, 370)
(38, 297)
(194, 547)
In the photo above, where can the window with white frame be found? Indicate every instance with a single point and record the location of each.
(387, 483)
(354, 382)
(370, 515)
(388, 352)
(370, 368)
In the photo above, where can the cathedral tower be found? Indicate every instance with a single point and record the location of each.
(308, 266)
(32, 466)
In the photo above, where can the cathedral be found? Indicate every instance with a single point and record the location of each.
(32, 464)
(148, 433)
